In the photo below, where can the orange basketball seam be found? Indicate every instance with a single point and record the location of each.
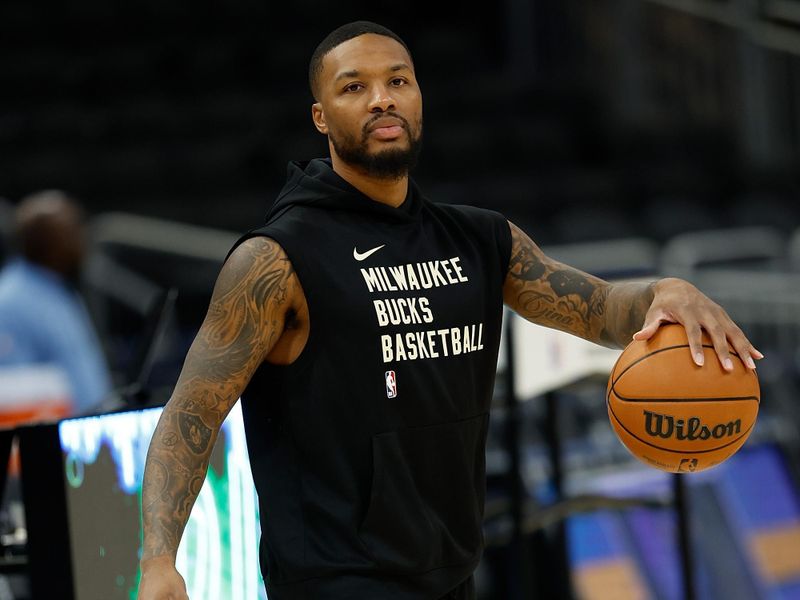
(641, 358)
(636, 437)
(709, 399)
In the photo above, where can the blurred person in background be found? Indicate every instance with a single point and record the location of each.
(44, 324)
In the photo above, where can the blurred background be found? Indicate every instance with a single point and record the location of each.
(629, 138)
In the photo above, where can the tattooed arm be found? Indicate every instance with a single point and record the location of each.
(549, 293)
(256, 296)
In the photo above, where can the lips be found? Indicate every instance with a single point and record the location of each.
(386, 128)
(387, 133)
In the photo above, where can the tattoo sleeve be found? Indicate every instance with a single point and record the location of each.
(552, 294)
(245, 319)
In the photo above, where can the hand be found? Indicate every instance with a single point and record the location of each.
(161, 580)
(678, 301)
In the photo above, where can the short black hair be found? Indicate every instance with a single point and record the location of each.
(339, 36)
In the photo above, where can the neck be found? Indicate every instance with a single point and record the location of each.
(386, 191)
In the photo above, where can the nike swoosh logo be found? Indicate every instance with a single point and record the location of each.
(359, 256)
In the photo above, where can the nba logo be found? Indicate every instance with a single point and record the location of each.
(391, 384)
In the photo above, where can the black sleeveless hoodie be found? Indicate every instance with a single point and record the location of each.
(368, 451)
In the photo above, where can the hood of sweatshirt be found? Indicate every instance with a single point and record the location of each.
(315, 183)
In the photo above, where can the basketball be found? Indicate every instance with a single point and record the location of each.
(674, 415)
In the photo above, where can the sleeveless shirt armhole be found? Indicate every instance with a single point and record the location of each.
(276, 236)
(257, 232)
(504, 243)
(299, 266)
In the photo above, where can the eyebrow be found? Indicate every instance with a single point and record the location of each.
(356, 72)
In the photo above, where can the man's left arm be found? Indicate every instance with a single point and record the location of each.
(555, 295)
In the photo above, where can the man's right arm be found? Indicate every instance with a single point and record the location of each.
(254, 296)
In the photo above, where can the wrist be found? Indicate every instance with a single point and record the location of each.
(671, 284)
(659, 284)
(160, 561)
(651, 291)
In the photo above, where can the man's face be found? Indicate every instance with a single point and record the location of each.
(370, 106)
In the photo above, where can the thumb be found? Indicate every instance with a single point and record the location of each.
(651, 325)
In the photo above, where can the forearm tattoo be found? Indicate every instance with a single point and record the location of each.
(245, 318)
(549, 293)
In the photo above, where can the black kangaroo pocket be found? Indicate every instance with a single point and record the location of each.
(426, 503)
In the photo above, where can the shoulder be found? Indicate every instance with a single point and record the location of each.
(32, 318)
(489, 228)
(253, 258)
(482, 221)
(467, 210)
(255, 248)
(477, 216)
(258, 269)
(26, 291)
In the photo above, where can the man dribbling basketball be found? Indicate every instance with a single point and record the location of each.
(361, 326)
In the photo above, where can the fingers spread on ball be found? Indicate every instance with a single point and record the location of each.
(747, 352)
(719, 339)
(694, 334)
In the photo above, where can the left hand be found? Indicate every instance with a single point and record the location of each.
(678, 301)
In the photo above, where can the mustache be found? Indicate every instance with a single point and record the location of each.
(368, 124)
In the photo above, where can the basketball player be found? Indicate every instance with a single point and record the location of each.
(361, 325)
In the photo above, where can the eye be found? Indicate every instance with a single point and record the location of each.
(353, 87)
(398, 81)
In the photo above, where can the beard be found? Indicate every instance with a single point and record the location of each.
(394, 163)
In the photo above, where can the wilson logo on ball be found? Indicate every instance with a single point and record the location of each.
(666, 426)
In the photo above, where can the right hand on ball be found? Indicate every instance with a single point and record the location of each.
(161, 580)
(678, 301)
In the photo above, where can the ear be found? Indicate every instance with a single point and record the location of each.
(318, 116)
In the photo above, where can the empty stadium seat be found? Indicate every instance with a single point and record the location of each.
(610, 259)
(794, 250)
(756, 248)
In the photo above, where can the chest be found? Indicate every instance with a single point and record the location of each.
(373, 279)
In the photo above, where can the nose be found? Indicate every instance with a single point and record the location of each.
(381, 100)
